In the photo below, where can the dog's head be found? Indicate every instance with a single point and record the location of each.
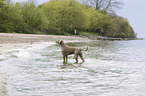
(59, 42)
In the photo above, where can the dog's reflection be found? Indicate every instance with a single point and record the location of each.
(71, 65)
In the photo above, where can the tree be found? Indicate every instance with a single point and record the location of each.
(59, 16)
(33, 1)
(65, 15)
(33, 17)
(3, 16)
(101, 23)
(107, 5)
(2, 4)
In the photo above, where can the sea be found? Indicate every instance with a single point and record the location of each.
(111, 68)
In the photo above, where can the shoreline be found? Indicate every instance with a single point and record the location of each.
(9, 41)
(93, 37)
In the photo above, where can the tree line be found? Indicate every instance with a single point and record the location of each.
(61, 17)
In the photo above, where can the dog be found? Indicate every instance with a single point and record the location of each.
(67, 50)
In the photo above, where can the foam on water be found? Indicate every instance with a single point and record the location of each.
(8, 59)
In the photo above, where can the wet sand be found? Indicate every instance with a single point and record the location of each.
(10, 41)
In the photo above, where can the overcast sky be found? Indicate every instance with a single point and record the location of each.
(133, 11)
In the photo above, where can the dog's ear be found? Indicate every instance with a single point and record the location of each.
(60, 41)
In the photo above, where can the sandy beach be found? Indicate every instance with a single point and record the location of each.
(9, 41)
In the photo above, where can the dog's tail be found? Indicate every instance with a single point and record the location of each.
(84, 50)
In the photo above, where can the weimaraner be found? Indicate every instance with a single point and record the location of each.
(67, 50)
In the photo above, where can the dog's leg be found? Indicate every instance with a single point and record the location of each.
(63, 58)
(66, 59)
(81, 56)
(76, 57)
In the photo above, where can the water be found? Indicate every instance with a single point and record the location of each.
(112, 68)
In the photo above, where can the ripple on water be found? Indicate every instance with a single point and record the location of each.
(111, 68)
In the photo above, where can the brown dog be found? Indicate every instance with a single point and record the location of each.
(67, 50)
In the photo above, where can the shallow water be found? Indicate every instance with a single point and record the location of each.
(112, 68)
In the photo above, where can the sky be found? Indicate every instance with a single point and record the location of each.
(133, 11)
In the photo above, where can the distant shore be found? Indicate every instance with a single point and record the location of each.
(93, 37)
(10, 41)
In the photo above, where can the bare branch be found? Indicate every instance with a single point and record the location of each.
(108, 5)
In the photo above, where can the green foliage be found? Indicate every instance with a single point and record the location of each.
(66, 15)
(2, 4)
(61, 17)
(123, 28)
(100, 23)
(15, 18)
(33, 17)
(88, 33)
(5, 25)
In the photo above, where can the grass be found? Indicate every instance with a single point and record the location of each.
(88, 33)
